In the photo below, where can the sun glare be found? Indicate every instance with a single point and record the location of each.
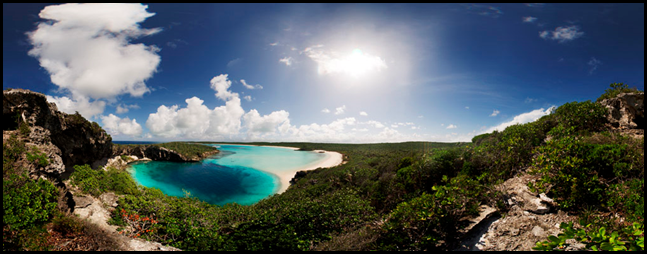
(357, 64)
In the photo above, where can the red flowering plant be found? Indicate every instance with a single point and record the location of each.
(136, 225)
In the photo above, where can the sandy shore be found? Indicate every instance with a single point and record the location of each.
(332, 159)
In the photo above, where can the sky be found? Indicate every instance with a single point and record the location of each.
(342, 73)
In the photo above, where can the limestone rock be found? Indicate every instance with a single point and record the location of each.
(79, 141)
(626, 111)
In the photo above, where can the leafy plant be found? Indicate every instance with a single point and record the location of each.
(600, 239)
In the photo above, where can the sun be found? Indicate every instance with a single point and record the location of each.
(356, 64)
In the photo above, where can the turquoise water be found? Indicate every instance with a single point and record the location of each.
(240, 174)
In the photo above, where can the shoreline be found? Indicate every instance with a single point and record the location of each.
(332, 159)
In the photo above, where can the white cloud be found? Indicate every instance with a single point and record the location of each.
(234, 62)
(466, 107)
(274, 44)
(250, 86)
(522, 118)
(85, 48)
(594, 63)
(562, 34)
(362, 113)
(495, 113)
(375, 124)
(340, 110)
(196, 120)
(529, 100)
(81, 104)
(355, 64)
(286, 60)
(221, 85)
(451, 126)
(117, 126)
(248, 98)
(325, 110)
(529, 19)
(122, 108)
(255, 123)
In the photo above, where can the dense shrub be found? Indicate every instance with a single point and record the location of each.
(425, 222)
(584, 116)
(27, 203)
(578, 173)
(96, 182)
(615, 89)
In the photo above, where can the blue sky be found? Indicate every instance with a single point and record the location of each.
(352, 73)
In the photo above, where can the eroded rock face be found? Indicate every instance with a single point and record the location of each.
(626, 111)
(67, 140)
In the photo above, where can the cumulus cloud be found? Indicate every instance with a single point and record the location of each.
(495, 113)
(562, 34)
(117, 126)
(325, 110)
(522, 118)
(221, 85)
(255, 123)
(85, 48)
(80, 104)
(252, 87)
(362, 113)
(340, 110)
(248, 98)
(375, 124)
(198, 121)
(451, 126)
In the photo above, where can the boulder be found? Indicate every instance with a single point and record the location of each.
(626, 111)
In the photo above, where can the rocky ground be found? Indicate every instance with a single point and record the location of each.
(97, 211)
(530, 219)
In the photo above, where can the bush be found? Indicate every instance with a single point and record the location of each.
(577, 173)
(582, 116)
(616, 88)
(26, 202)
(96, 182)
(423, 223)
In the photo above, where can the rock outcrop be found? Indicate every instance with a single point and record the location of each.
(66, 139)
(157, 153)
(626, 111)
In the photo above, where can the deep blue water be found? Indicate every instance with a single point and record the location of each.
(240, 174)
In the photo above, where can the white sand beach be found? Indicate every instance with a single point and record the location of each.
(332, 159)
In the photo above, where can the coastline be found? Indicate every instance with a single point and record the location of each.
(332, 159)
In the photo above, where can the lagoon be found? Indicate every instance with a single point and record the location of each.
(239, 173)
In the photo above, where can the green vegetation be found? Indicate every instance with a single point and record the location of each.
(96, 182)
(404, 196)
(27, 204)
(616, 88)
(188, 150)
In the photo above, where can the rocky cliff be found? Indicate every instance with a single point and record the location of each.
(157, 153)
(65, 139)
